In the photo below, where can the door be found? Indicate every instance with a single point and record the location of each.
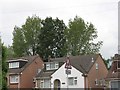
(57, 84)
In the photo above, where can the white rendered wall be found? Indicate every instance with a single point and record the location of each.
(61, 75)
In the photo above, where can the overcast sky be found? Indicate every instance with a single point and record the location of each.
(101, 13)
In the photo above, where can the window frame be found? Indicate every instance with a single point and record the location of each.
(52, 66)
(43, 83)
(14, 65)
(74, 81)
(15, 77)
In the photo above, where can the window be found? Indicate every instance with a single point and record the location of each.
(41, 84)
(96, 81)
(72, 80)
(14, 65)
(14, 79)
(96, 66)
(48, 66)
(56, 65)
(51, 66)
(118, 65)
(45, 83)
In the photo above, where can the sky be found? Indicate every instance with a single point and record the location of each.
(103, 14)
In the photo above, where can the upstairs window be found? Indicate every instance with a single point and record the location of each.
(14, 79)
(72, 80)
(14, 65)
(52, 66)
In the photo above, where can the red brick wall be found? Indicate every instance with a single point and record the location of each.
(99, 74)
(26, 78)
(29, 73)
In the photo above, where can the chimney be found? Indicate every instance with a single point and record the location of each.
(116, 57)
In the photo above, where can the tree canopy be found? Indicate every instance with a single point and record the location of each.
(25, 39)
(4, 68)
(80, 36)
(51, 37)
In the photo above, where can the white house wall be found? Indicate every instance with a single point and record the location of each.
(61, 75)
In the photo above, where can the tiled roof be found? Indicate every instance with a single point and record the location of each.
(83, 63)
(45, 73)
(18, 70)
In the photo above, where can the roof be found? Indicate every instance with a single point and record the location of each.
(45, 74)
(83, 63)
(113, 75)
(19, 70)
(113, 72)
(13, 60)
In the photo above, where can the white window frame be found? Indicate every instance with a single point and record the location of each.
(49, 66)
(16, 78)
(43, 81)
(14, 65)
(74, 81)
(56, 65)
(97, 66)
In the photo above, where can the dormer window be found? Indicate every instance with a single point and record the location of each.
(14, 65)
(118, 64)
(52, 65)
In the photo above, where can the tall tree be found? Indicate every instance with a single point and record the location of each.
(4, 68)
(19, 46)
(52, 39)
(80, 36)
(10, 52)
(25, 38)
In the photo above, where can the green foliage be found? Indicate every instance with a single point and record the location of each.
(4, 68)
(10, 52)
(19, 45)
(26, 38)
(107, 63)
(80, 36)
(52, 38)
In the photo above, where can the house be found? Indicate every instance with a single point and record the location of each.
(22, 71)
(113, 77)
(86, 71)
